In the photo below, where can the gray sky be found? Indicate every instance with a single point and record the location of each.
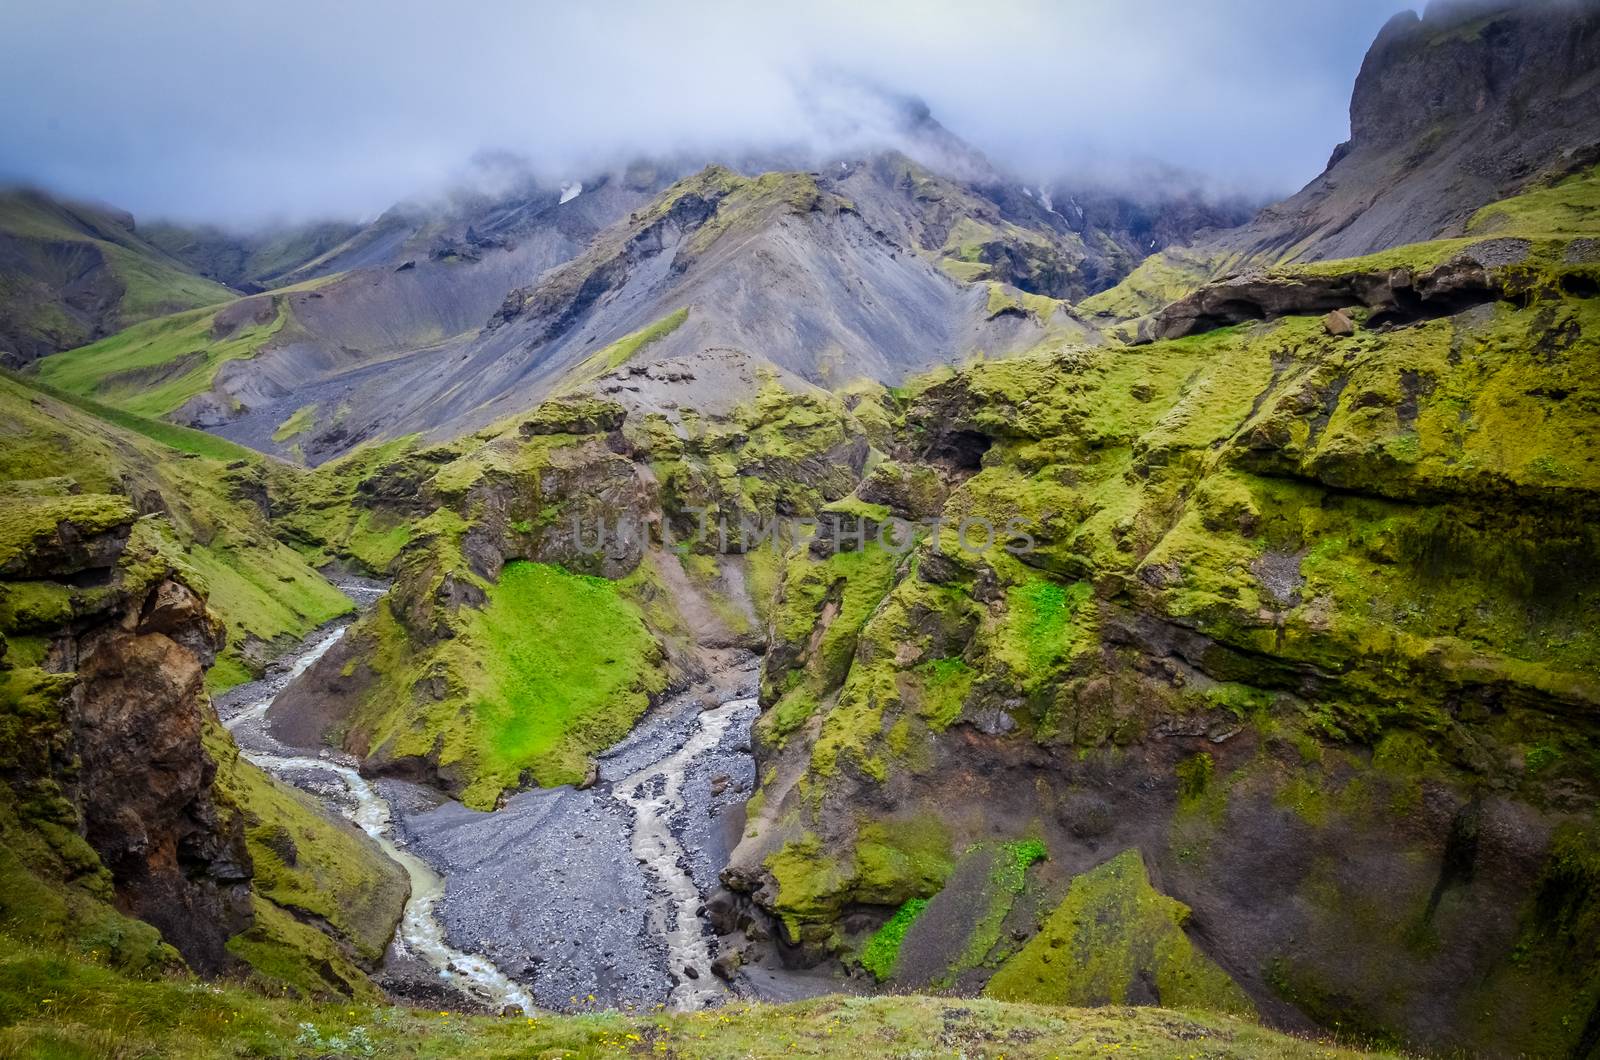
(246, 111)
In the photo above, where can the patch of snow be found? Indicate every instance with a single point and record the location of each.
(570, 191)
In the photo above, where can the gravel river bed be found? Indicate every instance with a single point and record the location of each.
(563, 898)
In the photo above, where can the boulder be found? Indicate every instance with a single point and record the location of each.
(1338, 324)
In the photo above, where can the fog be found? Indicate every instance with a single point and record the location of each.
(245, 112)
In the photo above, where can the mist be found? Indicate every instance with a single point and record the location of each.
(246, 113)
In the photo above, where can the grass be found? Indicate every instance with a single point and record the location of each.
(152, 368)
(619, 353)
(183, 439)
(152, 287)
(63, 1008)
(563, 659)
(1569, 207)
(883, 949)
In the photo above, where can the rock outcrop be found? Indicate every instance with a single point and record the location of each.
(130, 639)
(1398, 295)
(1453, 110)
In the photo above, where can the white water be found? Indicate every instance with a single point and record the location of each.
(672, 914)
(420, 932)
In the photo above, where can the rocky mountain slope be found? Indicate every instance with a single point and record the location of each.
(1459, 108)
(441, 317)
(71, 273)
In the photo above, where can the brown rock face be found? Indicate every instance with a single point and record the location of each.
(127, 750)
(144, 786)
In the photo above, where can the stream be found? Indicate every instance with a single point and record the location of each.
(562, 899)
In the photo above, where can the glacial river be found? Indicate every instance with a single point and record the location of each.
(563, 898)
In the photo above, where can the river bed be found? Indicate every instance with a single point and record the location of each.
(562, 899)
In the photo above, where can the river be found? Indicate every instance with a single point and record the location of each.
(563, 899)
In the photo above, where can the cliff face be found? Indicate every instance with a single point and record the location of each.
(1451, 111)
(1298, 619)
(1459, 109)
(119, 641)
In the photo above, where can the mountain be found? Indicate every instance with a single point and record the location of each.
(444, 315)
(448, 321)
(249, 262)
(71, 273)
(1463, 106)
(1459, 108)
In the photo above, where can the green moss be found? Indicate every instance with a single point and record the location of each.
(889, 863)
(1040, 630)
(883, 949)
(620, 352)
(945, 686)
(153, 368)
(1113, 929)
(299, 421)
(508, 697)
(30, 526)
(1005, 867)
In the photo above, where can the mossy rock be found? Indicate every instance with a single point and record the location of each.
(1116, 940)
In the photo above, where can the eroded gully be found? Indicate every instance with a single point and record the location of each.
(563, 898)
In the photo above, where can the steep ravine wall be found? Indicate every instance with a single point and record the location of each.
(133, 833)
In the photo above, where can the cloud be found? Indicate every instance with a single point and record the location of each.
(242, 111)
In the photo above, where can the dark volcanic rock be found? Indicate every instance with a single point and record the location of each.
(1464, 106)
(129, 757)
(1393, 296)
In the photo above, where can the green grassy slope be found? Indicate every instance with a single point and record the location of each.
(53, 245)
(264, 590)
(151, 369)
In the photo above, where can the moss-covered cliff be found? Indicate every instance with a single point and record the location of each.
(1288, 612)
(134, 836)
